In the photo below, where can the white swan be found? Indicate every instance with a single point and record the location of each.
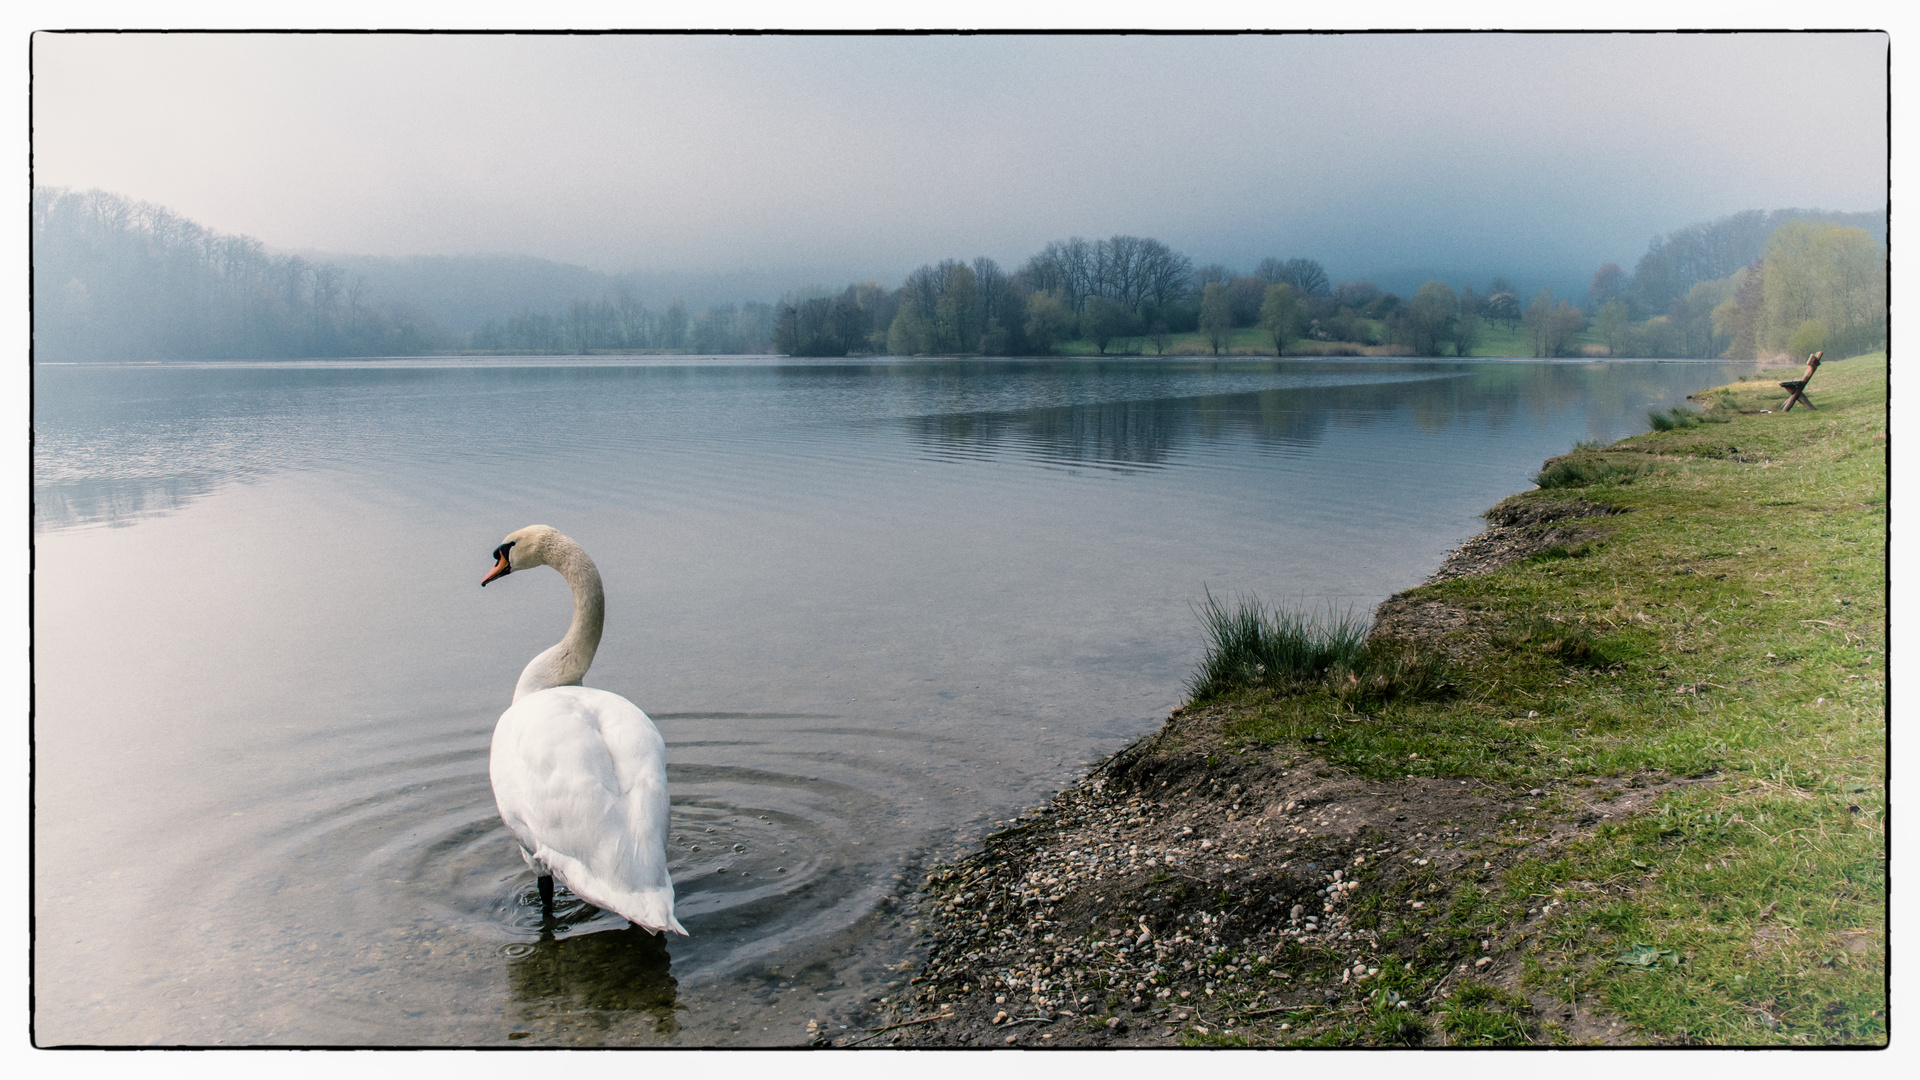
(580, 775)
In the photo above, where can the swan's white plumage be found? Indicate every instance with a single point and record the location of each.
(580, 778)
(580, 774)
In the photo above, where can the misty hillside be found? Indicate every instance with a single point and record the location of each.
(463, 293)
(1715, 249)
(116, 279)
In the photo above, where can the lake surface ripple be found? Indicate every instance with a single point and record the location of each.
(874, 607)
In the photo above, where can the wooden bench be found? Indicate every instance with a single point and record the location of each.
(1799, 386)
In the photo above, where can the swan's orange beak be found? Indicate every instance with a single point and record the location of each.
(500, 569)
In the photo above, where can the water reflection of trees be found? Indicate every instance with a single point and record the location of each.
(600, 977)
(1152, 432)
(1123, 433)
(116, 443)
(85, 500)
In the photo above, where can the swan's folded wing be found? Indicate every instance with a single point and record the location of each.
(580, 778)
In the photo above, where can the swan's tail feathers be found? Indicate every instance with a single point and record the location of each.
(650, 911)
(646, 906)
(673, 924)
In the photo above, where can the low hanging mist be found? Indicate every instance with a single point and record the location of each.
(395, 194)
(122, 280)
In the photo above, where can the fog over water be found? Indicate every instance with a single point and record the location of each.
(847, 158)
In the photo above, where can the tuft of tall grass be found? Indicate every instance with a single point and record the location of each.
(1572, 471)
(1667, 421)
(1680, 417)
(1481, 1015)
(1251, 644)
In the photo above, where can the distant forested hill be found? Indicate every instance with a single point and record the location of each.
(466, 292)
(1715, 249)
(115, 279)
(1750, 285)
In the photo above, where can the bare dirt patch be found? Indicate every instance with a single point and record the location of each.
(1454, 632)
(1522, 528)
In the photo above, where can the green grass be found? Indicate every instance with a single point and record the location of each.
(1482, 1015)
(1254, 646)
(1680, 418)
(1730, 629)
(1588, 467)
(1499, 339)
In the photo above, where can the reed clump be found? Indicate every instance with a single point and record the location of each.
(1679, 418)
(1252, 645)
(1579, 470)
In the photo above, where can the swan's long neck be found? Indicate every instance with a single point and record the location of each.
(566, 663)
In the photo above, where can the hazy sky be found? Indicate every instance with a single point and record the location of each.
(858, 157)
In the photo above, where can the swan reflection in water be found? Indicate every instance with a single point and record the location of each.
(596, 978)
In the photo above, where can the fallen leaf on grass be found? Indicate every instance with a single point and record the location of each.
(1642, 955)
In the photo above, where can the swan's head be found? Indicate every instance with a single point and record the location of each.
(522, 550)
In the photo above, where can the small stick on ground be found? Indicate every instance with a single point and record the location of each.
(903, 1023)
(1281, 1009)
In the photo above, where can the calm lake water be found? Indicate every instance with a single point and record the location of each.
(874, 607)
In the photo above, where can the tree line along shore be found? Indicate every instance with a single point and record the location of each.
(1615, 775)
(116, 279)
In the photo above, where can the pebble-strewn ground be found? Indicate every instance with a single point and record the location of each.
(1164, 901)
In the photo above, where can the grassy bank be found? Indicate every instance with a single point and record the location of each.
(1730, 625)
(1616, 776)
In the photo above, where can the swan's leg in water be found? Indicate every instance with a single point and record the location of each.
(546, 894)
